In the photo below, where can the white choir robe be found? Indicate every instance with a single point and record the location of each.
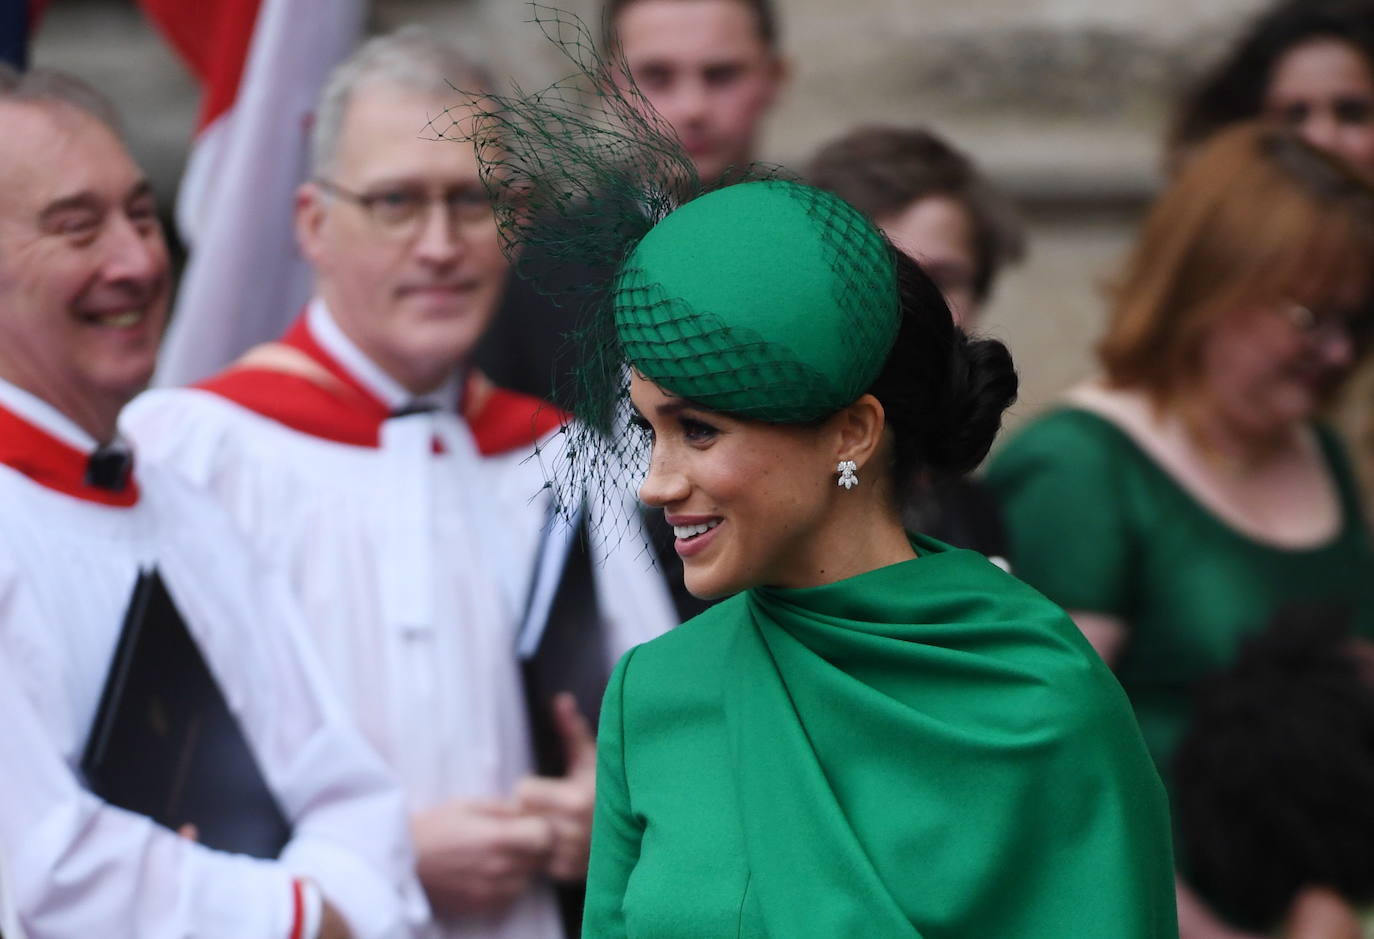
(412, 550)
(81, 867)
(9, 913)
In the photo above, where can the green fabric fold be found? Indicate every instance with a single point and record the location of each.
(930, 750)
(957, 763)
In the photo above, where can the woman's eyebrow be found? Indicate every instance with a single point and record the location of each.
(670, 408)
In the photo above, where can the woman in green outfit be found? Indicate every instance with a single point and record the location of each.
(875, 735)
(1180, 501)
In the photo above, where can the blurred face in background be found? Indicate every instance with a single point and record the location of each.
(706, 69)
(938, 232)
(1269, 368)
(84, 282)
(1324, 89)
(402, 238)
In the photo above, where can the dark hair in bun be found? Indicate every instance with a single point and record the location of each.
(944, 393)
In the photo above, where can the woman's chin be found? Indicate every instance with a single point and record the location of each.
(707, 592)
(706, 585)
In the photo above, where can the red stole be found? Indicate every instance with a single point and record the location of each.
(334, 405)
(54, 463)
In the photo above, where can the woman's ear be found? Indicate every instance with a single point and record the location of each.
(859, 430)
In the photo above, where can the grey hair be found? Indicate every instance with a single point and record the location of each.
(411, 57)
(50, 86)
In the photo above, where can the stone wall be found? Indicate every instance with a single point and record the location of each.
(1062, 100)
(1043, 92)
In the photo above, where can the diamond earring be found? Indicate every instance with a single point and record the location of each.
(848, 478)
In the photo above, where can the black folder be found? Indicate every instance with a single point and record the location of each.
(164, 743)
(571, 654)
(563, 648)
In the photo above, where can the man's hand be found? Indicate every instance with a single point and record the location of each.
(1321, 913)
(567, 802)
(1197, 921)
(478, 856)
(332, 925)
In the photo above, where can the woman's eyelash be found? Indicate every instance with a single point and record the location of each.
(692, 427)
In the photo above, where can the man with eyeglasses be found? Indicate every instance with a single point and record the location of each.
(395, 483)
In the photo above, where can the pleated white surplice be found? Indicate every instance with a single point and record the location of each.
(413, 560)
(80, 867)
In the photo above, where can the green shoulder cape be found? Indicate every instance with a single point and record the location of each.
(926, 750)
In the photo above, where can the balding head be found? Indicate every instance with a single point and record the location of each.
(51, 87)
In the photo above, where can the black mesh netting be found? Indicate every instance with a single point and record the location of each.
(580, 172)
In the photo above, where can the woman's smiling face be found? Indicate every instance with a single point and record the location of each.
(747, 500)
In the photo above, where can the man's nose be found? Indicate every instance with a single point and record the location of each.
(690, 103)
(136, 252)
(438, 240)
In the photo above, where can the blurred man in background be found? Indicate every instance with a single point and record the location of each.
(711, 68)
(394, 481)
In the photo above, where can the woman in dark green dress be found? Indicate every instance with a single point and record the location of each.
(1179, 502)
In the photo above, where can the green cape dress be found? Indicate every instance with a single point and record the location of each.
(925, 750)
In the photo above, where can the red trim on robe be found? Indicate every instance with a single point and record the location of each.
(297, 909)
(53, 463)
(348, 413)
(503, 420)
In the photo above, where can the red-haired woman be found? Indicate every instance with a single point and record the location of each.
(1175, 503)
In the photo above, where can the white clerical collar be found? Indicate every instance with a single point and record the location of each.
(372, 376)
(44, 416)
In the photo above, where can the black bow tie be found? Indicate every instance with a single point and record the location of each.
(109, 467)
(414, 407)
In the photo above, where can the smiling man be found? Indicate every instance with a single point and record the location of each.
(395, 483)
(84, 288)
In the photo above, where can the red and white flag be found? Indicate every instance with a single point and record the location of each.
(262, 64)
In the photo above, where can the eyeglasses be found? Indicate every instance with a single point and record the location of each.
(399, 211)
(1320, 325)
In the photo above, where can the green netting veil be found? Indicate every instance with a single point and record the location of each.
(768, 300)
(756, 296)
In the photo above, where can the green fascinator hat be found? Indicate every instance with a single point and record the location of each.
(758, 297)
(770, 300)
